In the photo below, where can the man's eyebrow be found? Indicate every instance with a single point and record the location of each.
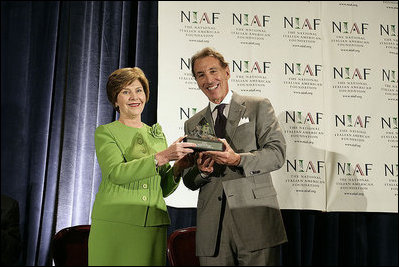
(211, 68)
(198, 73)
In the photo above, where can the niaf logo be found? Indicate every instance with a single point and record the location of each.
(300, 165)
(297, 117)
(347, 120)
(348, 169)
(198, 17)
(186, 113)
(300, 23)
(243, 19)
(342, 27)
(348, 73)
(296, 68)
(246, 66)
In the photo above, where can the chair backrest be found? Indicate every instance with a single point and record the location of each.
(70, 246)
(181, 247)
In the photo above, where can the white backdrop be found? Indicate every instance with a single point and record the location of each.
(329, 69)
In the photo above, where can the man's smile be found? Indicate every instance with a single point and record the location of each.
(213, 88)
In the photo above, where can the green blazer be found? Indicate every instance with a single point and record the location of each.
(132, 189)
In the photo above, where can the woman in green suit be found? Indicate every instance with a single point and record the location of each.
(129, 217)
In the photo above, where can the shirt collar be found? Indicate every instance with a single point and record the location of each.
(226, 100)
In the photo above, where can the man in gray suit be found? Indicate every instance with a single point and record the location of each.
(238, 217)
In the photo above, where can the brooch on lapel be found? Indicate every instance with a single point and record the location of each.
(156, 131)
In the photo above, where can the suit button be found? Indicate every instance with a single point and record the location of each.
(220, 198)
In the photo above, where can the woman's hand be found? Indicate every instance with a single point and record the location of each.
(176, 151)
(185, 162)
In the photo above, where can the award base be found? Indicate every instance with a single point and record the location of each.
(205, 144)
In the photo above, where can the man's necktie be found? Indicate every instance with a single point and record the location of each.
(220, 122)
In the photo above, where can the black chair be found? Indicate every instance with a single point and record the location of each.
(70, 246)
(181, 247)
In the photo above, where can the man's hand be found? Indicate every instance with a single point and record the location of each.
(205, 163)
(227, 157)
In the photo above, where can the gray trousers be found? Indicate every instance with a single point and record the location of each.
(232, 252)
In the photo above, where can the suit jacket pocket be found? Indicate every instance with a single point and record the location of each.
(264, 191)
(244, 137)
(266, 196)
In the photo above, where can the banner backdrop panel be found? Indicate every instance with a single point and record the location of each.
(330, 71)
(355, 61)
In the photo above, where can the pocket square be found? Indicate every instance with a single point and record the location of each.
(243, 120)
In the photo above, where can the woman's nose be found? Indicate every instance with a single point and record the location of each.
(133, 95)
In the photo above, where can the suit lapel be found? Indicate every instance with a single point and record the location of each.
(236, 112)
(207, 118)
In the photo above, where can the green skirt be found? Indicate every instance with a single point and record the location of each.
(120, 244)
